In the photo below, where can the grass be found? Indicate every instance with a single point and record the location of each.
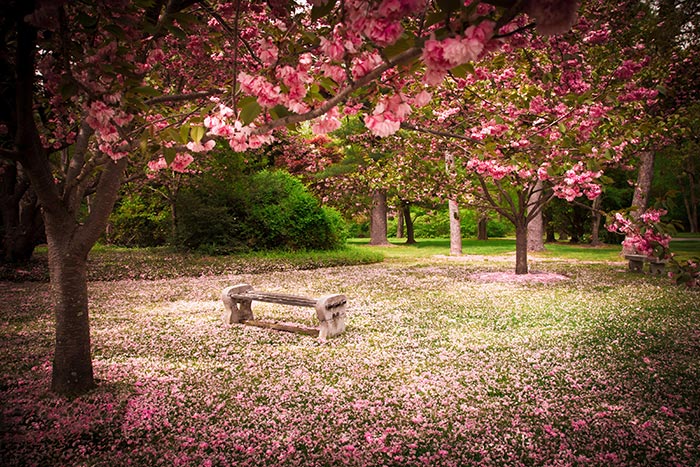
(437, 367)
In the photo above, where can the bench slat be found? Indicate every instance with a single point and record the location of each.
(275, 298)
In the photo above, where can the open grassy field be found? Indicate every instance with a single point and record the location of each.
(441, 365)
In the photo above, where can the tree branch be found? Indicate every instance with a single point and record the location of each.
(400, 59)
(184, 97)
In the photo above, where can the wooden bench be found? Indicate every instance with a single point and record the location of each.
(636, 264)
(330, 310)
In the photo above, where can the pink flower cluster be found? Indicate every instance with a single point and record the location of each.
(240, 138)
(491, 167)
(106, 120)
(642, 237)
(387, 115)
(578, 181)
(179, 164)
(440, 56)
(327, 122)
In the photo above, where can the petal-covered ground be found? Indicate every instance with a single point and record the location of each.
(439, 366)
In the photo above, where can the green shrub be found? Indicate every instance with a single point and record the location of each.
(139, 221)
(265, 211)
(289, 217)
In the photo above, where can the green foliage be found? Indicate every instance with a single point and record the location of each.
(436, 224)
(289, 217)
(139, 221)
(267, 210)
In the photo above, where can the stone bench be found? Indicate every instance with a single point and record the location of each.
(636, 264)
(330, 310)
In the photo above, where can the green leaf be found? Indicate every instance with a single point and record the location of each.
(401, 45)
(562, 127)
(319, 11)
(461, 71)
(169, 154)
(69, 89)
(249, 112)
(279, 111)
(146, 91)
(197, 133)
(184, 132)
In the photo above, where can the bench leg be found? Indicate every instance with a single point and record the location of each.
(330, 311)
(636, 266)
(656, 268)
(236, 311)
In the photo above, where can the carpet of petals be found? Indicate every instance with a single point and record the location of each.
(438, 367)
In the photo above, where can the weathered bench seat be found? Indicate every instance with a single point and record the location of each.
(330, 309)
(636, 264)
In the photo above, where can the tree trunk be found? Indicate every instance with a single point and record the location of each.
(642, 189)
(595, 222)
(535, 228)
(399, 223)
(72, 365)
(410, 234)
(690, 199)
(455, 228)
(453, 208)
(521, 247)
(377, 225)
(482, 229)
(23, 227)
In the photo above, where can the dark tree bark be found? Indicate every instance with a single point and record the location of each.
(23, 227)
(482, 228)
(377, 225)
(410, 233)
(595, 222)
(521, 246)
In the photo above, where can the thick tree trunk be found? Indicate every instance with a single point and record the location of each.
(521, 247)
(482, 228)
(455, 228)
(410, 233)
(72, 365)
(23, 227)
(377, 225)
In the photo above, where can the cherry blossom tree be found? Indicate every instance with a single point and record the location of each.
(534, 127)
(94, 83)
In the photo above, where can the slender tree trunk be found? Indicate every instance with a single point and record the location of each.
(453, 208)
(377, 225)
(690, 199)
(521, 247)
(455, 228)
(399, 223)
(410, 234)
(535, 228)
(645, 177)
(482, 228)
(595, 222)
